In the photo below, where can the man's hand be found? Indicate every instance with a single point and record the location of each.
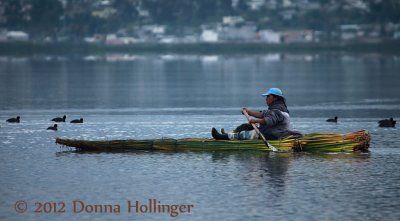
(252, 121)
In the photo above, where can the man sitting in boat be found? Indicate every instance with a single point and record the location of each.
(274, 123)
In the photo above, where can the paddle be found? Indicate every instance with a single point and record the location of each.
(259, 133)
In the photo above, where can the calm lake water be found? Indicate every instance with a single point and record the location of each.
(178, 96)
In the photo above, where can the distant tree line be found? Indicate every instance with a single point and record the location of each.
(80, 18)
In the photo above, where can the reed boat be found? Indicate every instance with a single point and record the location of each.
(315, 142)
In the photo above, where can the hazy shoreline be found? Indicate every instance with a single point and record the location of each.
(26, 48)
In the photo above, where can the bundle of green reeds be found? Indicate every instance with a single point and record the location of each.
(211, 144)
(327, 142)
(317, 142)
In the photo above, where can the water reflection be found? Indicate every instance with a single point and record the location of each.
(268, 171)
(258, 169)
(270, 57)
(195, 81)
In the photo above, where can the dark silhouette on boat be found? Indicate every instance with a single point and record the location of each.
(218, 136)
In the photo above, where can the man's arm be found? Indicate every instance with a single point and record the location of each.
(256, 114)
(259, 118)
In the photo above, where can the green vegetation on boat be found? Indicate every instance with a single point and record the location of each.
(316, 142)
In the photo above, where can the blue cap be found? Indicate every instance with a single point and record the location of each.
(274, 91)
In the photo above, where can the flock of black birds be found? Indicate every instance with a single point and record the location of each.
(54, 127)
(382, 123)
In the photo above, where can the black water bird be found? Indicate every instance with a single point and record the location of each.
(76, 121)
(387, 123)
(59, 119)
(334, 120)
(14, 120)
(53, 127)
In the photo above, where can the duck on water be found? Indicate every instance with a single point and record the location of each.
(333, 120)
(76, 121)
(59, 119)
(53, 127)
(387, 123)
(14, 120)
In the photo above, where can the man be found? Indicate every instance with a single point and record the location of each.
(274, 123)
